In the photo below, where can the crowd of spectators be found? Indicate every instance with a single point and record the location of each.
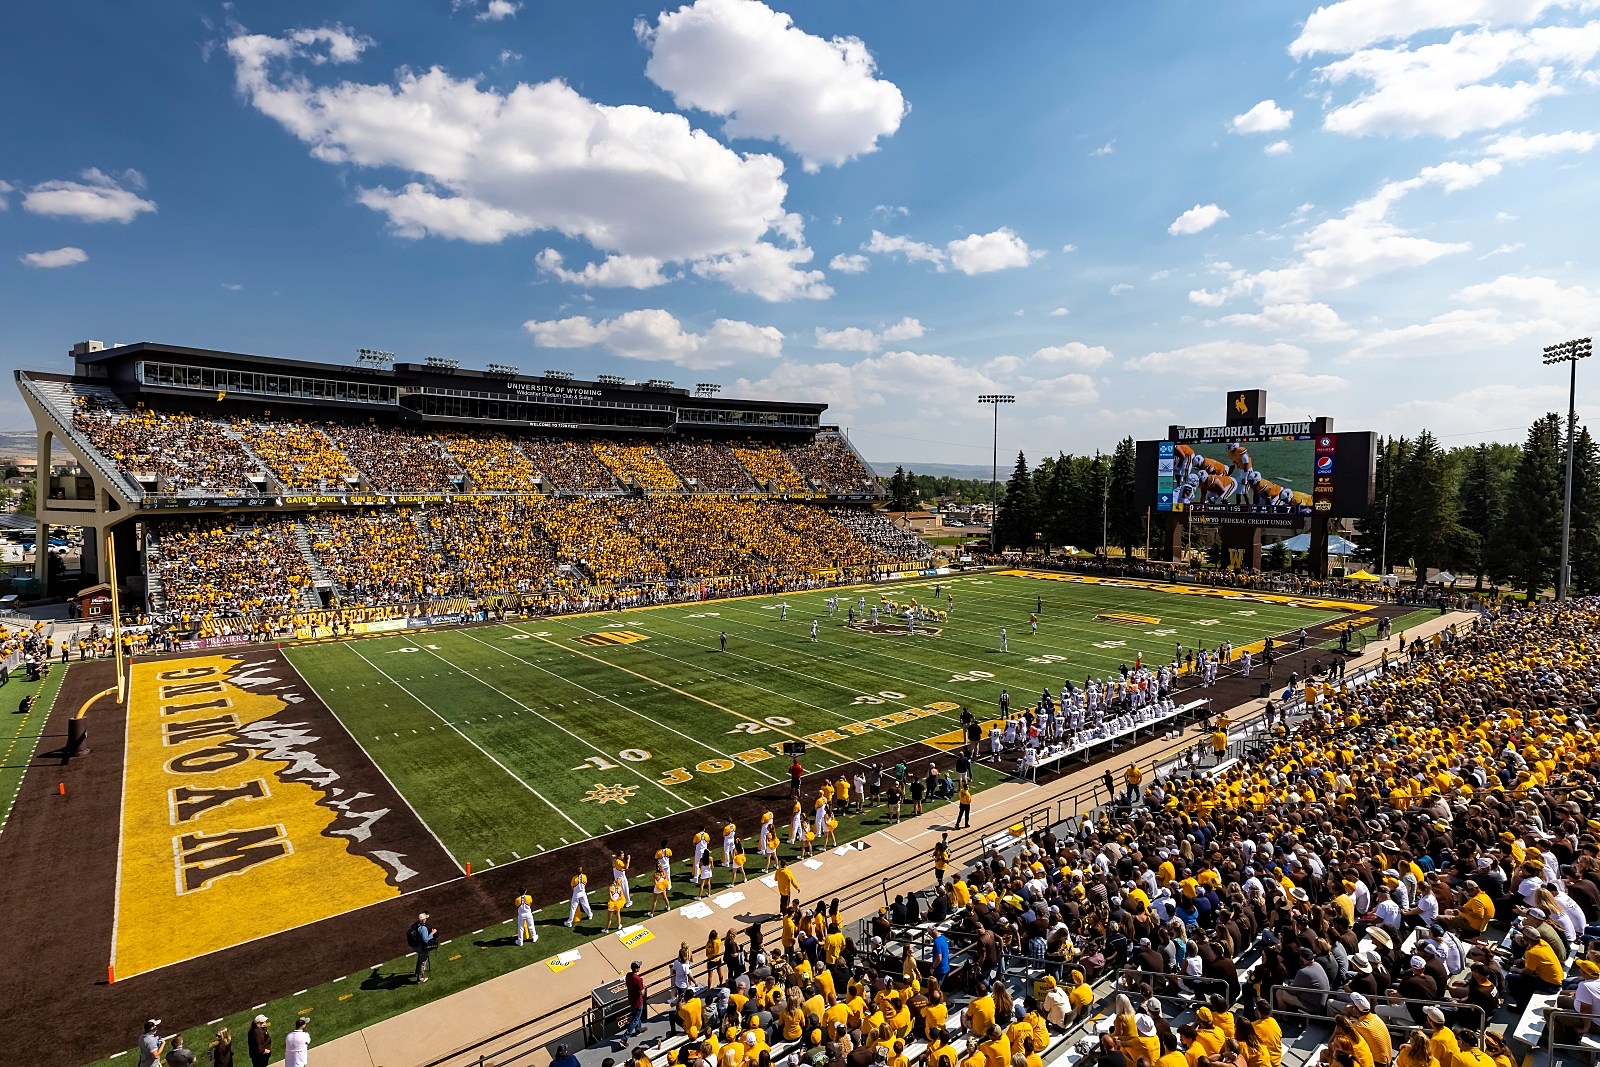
(395, 460)
(189, 452)
(214, 567)
(770, 467)
(706, 466)
(299, 455)
(495, 546)
(493, 462)
(829, 461)
(579, 547)
(883, 534)
(182, 452)
(379, 557)
(569, 466)
(638, 465)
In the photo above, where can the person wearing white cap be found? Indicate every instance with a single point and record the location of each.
(151, 1045)
(1370, 1028)
(259, 1041)
(297, 1044)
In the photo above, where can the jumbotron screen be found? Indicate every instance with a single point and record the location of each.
(1275, 476)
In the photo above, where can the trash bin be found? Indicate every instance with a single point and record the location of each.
(1266, 690)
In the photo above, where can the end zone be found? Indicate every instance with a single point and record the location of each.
(247, 809)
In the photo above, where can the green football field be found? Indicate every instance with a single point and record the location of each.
(510, 740)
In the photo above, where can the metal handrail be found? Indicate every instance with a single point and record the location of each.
(1547, 1040)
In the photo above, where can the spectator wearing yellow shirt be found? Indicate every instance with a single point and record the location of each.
(1539, 971)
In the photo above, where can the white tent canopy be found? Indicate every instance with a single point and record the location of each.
(1337, 546)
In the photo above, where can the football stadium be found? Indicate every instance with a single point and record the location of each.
(376, 647)
(895, 630)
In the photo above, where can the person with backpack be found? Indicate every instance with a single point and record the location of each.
(422, 939)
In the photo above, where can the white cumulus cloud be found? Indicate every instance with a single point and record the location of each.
(1515, 148)
(977, 253)
(771, 80)
(1200, 217)
(95, 197)
(849, 264)
(1265, 117)
(655, 335)
(849, 339)
(1278, 148)
(1477, 80)
(907, 329)
(56, 257)
(860, 339)
(1350, 25)
(496, 10)
(980, 253)
(629, 272)
(487, 165)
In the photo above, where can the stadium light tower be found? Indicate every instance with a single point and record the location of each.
(995, 399)
(1568, 352)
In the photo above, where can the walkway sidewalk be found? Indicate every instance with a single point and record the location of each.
(437, 1029)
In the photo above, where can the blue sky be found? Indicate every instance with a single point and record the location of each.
(1376, 211)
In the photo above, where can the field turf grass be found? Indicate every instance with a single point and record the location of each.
(515, 739)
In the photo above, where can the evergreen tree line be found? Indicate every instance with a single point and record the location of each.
(1071, 500)
(1492, 511)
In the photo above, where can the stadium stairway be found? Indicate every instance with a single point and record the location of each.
(319, 573)
(57, 398)
(272, 485)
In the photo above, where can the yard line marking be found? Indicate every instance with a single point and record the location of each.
(403, 798)
(630, 710)
(528, 707)
(424, 704)
(682, 693)
(845, 716)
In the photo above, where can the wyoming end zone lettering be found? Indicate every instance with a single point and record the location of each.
(248, 810)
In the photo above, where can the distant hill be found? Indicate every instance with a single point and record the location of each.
(884, 469)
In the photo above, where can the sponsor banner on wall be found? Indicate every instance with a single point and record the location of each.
(222, 641)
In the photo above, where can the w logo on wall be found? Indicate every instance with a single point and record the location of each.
(1236, 558)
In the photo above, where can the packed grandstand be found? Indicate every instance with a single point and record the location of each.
(344, 499)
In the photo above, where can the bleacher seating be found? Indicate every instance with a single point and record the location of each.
(770, 467)
(397, 461)
(217, 567)
(300, 456)
(884, 535)
(493, 461)
(182, 452)
(482, 546)
(571, 466)
(707, 466)
(637, 465)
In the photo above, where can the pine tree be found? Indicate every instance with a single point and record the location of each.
(1019, 511)
(1527, 542)
(1054, 502)
(1376, 549)
(1426, 481)
(1584, 553)
(1486, 471)
(1126, 513)
(902, 491)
